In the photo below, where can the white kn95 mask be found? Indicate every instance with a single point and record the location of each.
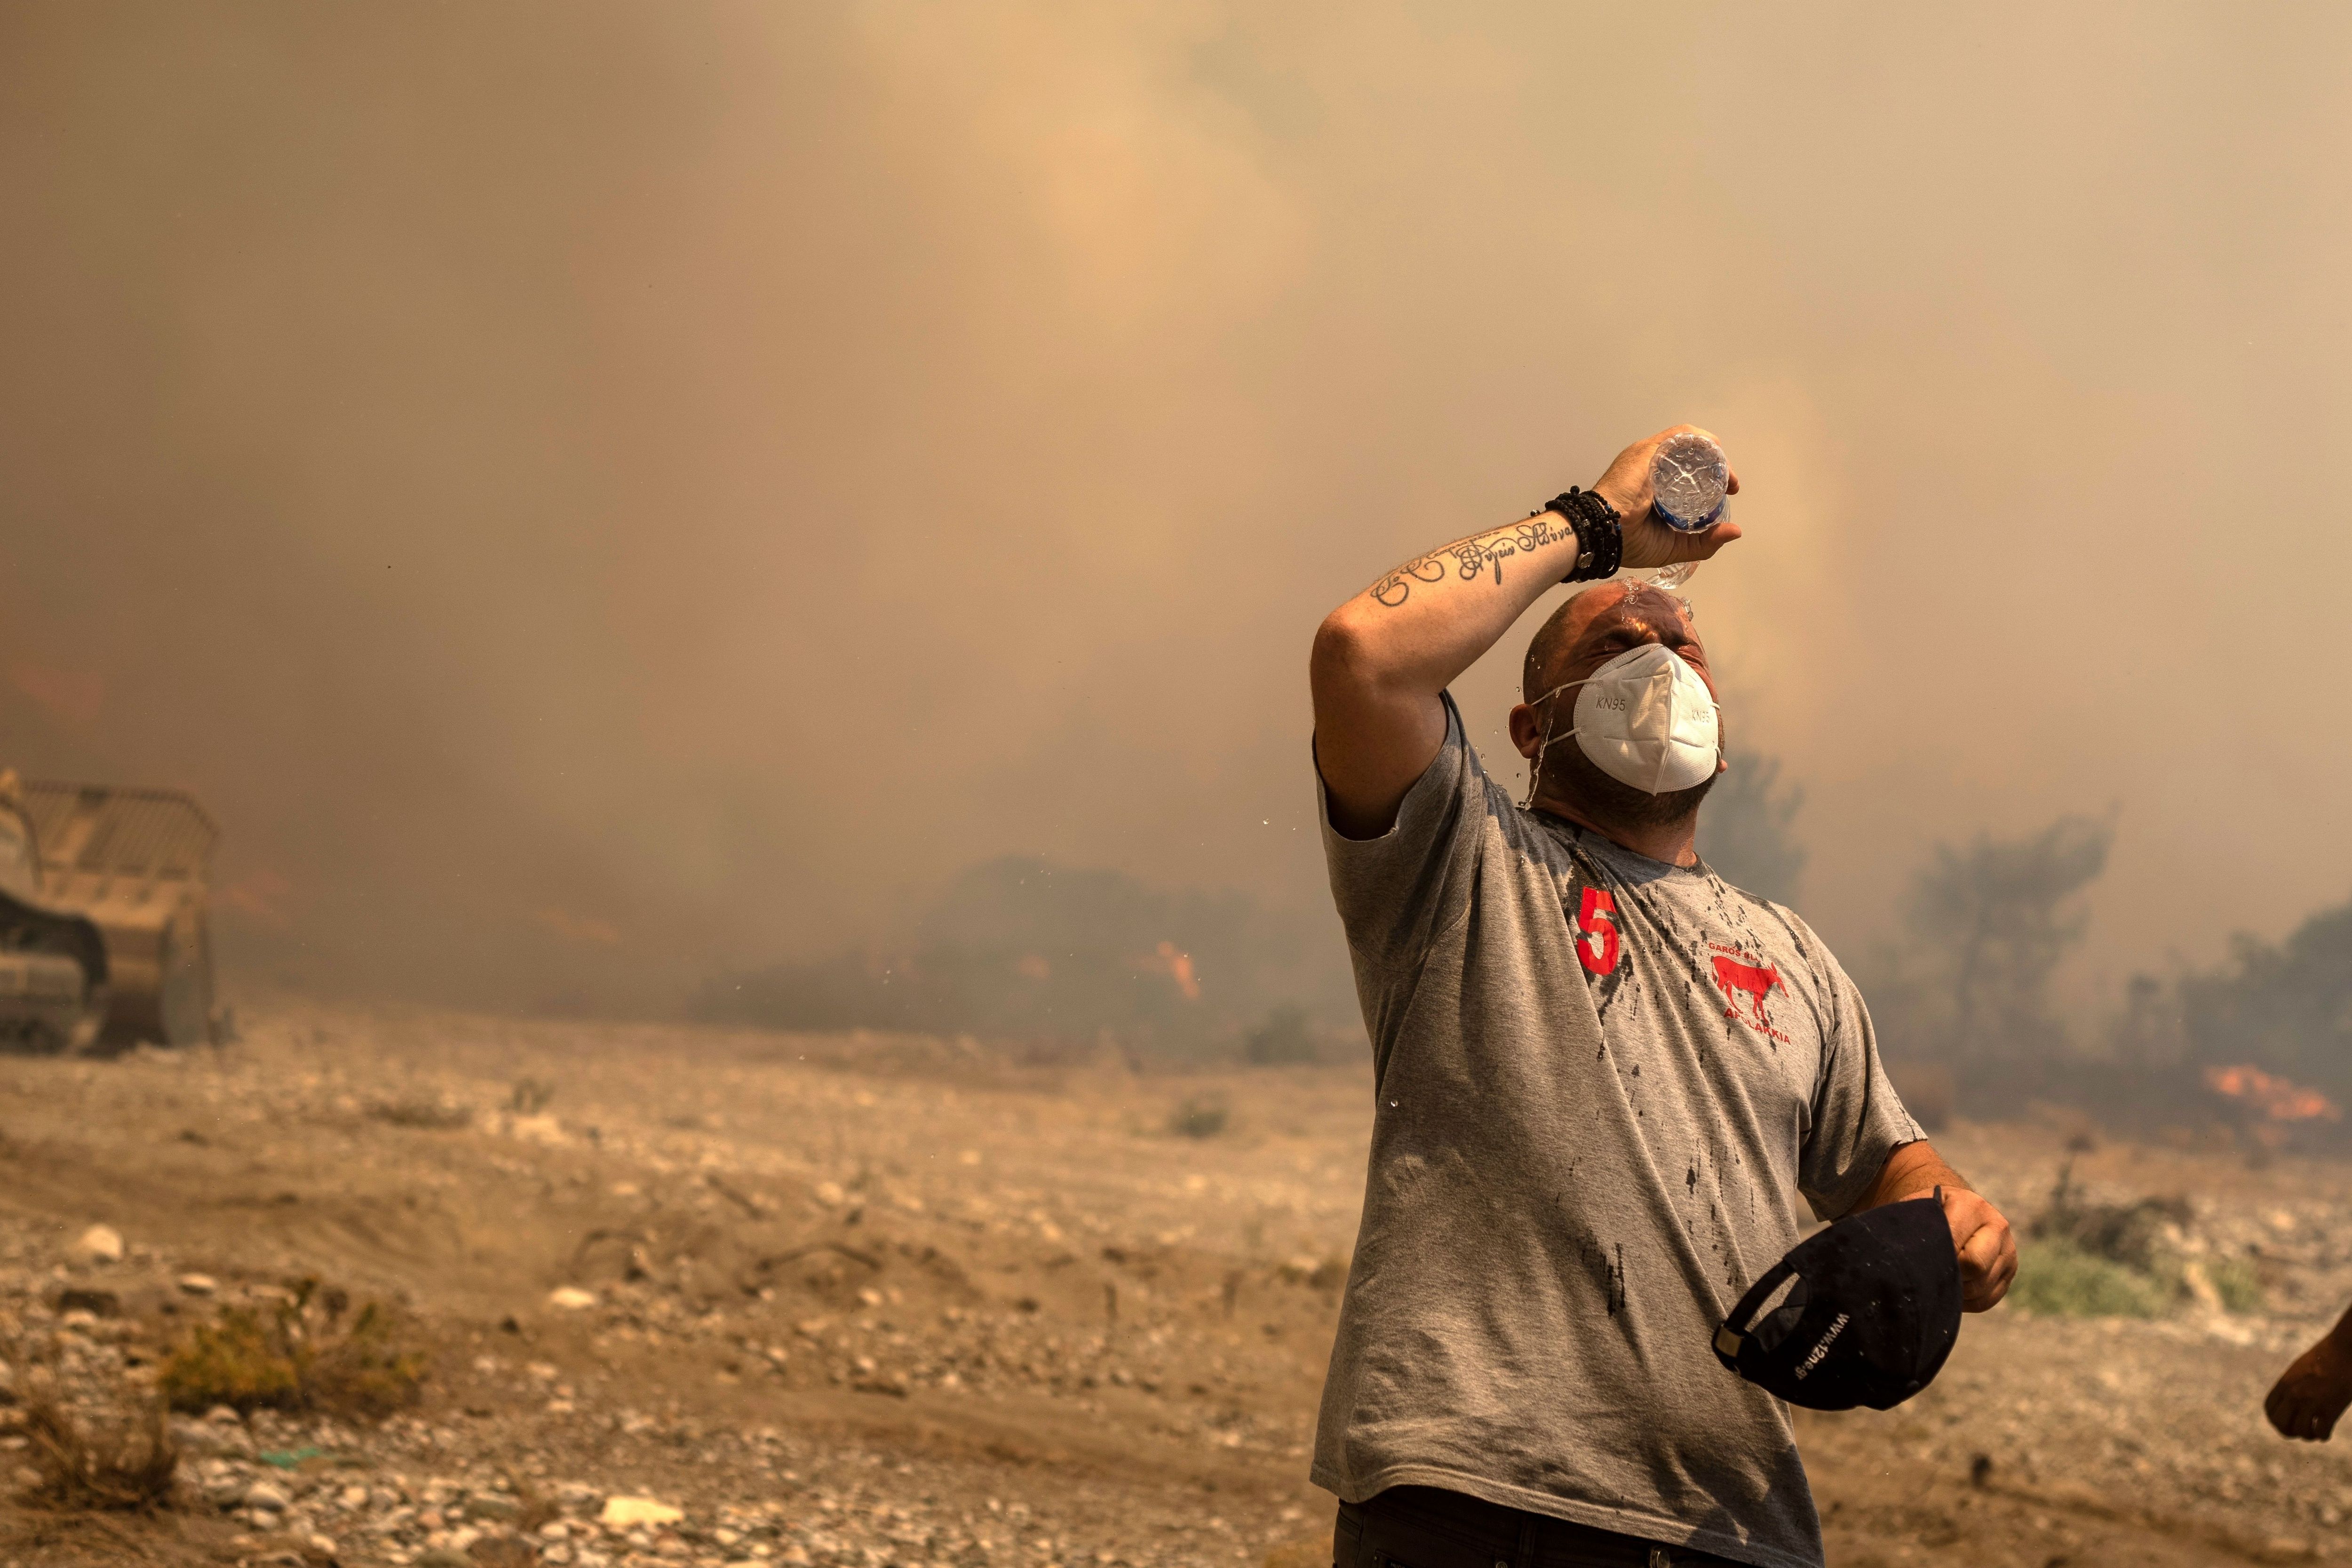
(1645, 718)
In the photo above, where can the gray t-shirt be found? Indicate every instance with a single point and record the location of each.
(1601, 1080)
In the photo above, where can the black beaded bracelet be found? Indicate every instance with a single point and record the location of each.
(1600, 533)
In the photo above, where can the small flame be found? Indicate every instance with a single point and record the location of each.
(2279, 1099)
(1180, 965)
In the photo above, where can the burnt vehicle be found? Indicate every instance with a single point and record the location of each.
(53, 994)
(132, 865)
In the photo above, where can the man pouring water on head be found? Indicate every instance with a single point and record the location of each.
(1603, 1074)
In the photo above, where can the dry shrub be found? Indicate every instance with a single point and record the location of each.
(1200, 1116)
(298, 1354)
(372, 1370)
(123, 1467)
(430, 1115)
(238, 1360)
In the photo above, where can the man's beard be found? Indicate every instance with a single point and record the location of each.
(1574, 778)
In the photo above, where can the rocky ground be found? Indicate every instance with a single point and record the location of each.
(713, 1297)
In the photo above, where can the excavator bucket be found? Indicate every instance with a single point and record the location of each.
(135, 863)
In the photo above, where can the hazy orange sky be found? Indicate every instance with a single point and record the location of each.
(590, 492)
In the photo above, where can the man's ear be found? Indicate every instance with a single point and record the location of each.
(1526, 729)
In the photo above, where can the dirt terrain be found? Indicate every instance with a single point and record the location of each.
(866, 1301)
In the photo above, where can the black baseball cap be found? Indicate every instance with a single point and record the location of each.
(1874, 1311)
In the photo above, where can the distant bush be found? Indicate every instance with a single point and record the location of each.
(2057, 1278)
(297, 1354)
(2284, 1005)
(1286, 1037)
(1199, 1116)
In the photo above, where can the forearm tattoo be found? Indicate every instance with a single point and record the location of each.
(1473, 555)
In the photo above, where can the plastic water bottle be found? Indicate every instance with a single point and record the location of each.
(1688, 483)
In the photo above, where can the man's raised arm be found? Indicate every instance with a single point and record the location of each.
(1381, 661)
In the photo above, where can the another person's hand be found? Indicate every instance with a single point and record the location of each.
(1648, 542)
(1988, 1251)
(2312, 1394)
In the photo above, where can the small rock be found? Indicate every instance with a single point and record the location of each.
(98, 1243)
(625, 1512)
(223, 1416)
(490, 1505)
(268, 1495)
(571, 1299)
(198, 1284)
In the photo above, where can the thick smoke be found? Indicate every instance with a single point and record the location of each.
(596, 496)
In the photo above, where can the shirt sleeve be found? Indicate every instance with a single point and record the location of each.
(1857, 1118)
(1397, 891)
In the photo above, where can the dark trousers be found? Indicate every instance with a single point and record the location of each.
(1421, 1527)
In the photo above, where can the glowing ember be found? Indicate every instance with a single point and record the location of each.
(2279, 1099)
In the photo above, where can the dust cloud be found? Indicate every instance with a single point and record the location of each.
(593, 495)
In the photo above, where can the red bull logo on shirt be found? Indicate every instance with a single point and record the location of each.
(1745, 982)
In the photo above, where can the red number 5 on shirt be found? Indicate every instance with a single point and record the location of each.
(1596, 918)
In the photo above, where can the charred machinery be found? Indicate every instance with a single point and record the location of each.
(53, 970)
(130, 867)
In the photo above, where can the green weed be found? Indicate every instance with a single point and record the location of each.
(2055, 1278)
(2235, 1281)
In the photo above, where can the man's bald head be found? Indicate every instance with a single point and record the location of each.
(1596, 625)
